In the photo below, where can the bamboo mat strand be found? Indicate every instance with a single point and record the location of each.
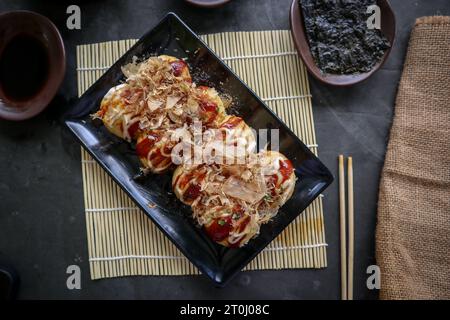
(122, 241)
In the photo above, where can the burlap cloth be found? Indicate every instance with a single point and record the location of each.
(413, 231)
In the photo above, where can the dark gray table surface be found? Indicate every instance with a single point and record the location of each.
(42, 225)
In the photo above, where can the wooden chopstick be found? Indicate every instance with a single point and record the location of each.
(342, 228)
(346, 261)
(350, 227)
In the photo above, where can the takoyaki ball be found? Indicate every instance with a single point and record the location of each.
(187, 183)
(280, 178)
(116, 115)
(179, 67)
(154, 149)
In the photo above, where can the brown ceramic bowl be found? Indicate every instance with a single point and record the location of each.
(38, 27)
(207, 3)
(302, 45)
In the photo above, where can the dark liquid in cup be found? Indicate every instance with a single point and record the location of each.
(24, 67)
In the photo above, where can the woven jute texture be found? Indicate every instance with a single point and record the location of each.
(123, 241)
(413, 232)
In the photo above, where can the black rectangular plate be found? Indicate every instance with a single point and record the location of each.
(171, 36)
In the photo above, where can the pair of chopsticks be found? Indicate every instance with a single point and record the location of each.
(346, 273)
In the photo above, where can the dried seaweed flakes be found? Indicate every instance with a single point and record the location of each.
(338, 36)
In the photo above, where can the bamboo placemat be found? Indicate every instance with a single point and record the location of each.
(123, 241)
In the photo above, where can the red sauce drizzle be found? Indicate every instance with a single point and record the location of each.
(286, 169)
(232, 122)
(132, 130)
(145, 145)
(244, 224)
(174, 183)
(203, 88)
(178, 67)
(219, 231)
(185, 179)
(209, 110)
(156, 157)
(238, 209)
(208, 106)
(168, 148)
(126, 94)
(103, 108)
(159, 160)
(191, 193)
